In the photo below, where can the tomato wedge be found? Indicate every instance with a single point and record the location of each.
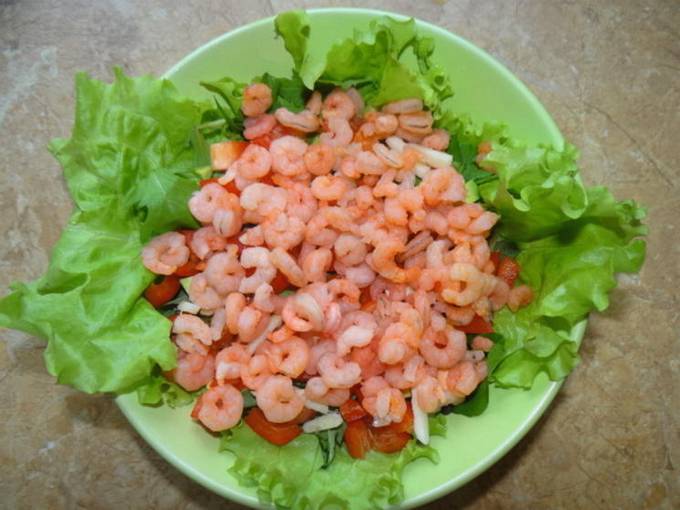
(223, 154)
(192, 265)
(477, 325)
(160, 293)
(386, 440)
(357, 439)
(508, 269)
(496, 259)
(305, 415)
(279, 283)
(276, 433)
(405, 425)
(352, 411)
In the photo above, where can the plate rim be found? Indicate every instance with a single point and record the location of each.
(127, 405)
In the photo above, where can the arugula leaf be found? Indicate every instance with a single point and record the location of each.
(228, 109)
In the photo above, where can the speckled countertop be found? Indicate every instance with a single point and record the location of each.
(609, 73)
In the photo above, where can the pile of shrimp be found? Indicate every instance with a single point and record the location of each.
(363, 214)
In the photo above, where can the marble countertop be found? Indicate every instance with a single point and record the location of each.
(609, 73)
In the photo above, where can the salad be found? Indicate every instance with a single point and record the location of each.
(322, 265)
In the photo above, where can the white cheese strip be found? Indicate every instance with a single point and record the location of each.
(323, 422)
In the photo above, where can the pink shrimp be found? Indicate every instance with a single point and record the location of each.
(317, 390)
(418, 123)
(338, 104)
(258, 126)
(265, 299)
(476, 284)
(205, 241)
(462, 378)
(327, 187)
(229, 362)
(220, 408)
(411, 105)
(519, 297)
(301, 202)
(382, 259)
(339, 133)
(257, 98)
(443, 349)
(319, 159)
(395, 344)
(316, 351)
(286, 264)
(368, 360)
(349, 249)
(368, 163)
(345, 293)
(264, 200)
(384, 403)
(337, 372)
(288, 155)
(278, 399)
(252, 236)
(192, 334)
(284, 232)
(303, 313)
(165, 253)
(318, 233)
(256, 372)
(258, 258)
(233, 306)
(212, 197)
(251, 323)
(406, 375)
(224, 272)
(193, 370)
(289, 357)
(429, 394)
(438, 140)
(314, 103)
(254, 163)
(316, 263)
(204, 295)
(304, 121)
(360, 275)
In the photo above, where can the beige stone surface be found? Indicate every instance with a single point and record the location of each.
(609, 73)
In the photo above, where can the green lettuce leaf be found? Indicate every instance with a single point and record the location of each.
(286, 92)
(291, 476)
(129, 168)
(373, 61)
(158, 390)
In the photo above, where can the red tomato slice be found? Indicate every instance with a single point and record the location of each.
(386, 440)
(279, 283)
(508, 269)
(160, 293)
(496, 258)
(352, 411)
(223, 154)
(477, 325)
(357, 439)
(276, 433)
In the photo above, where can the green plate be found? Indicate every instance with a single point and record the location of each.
(484, 89)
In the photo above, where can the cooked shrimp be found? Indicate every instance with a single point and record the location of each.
(354, 336)
(205, 241)
(212, 197)
(429, 394)
(192, 334)
(165, 253)
(317, 390)
(258, 126)
(395, 344)
(258, 258)
(418, 123)
(383, 262)
(368, 360)
(256, 372)
(233, 306)
(437, 140)
(462, 378)
(316, 263)
(282, 261)
(251, 323)
(403, 106)
(319, 159)
(289, 357)
(360, 275)
(475, 284)
(329, 187)
(301, 202)
(338, 104)
(345, 293)
(229, 362)
(218, 321)
(220, 408)
(368, 163)
(314, 103)
(278, 399)
(519, 297)
(339, 133)
(265, 299)
(204, 295)
(252, 236)
(288, 155)
(336, 372)
(284, 231)
(387, 406)
(303, 313)
(257, 98)
(305, 121)
(315, 354)
(263, 199)
(349, 249)
(224, 272)
(443, 349)
(318, 233)
(193, 370)
(254, 163)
